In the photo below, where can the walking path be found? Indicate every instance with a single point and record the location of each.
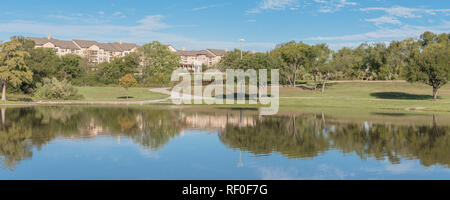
(154, 101)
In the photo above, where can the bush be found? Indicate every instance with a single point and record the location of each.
(52, 89)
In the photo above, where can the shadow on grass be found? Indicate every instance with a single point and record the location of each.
(391, 114)
(318, 87)
(246, 96)
(401, 95)
(125, 97)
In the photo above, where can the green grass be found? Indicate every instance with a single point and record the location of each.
(118, 94)
(368, 95)
(378, 97)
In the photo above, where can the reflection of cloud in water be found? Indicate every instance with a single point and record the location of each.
(321, 172)
(148, 153)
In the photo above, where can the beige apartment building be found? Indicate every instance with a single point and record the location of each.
(208, 57)
(95, 52)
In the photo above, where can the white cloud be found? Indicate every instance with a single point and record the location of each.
(399, 11)
(208, 7)
(146, 30)
(101, 12)
(384, 20)
(330, 6)
(386, 34)
(275, 5)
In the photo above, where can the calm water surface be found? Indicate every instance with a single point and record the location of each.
(81, 142)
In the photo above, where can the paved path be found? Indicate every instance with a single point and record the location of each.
(154, 101)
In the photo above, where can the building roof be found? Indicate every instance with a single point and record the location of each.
(217, 52)
(63, 44)
(195, 53)
(86, 43)
(114, 47)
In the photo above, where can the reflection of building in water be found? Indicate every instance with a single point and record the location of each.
(94, 129)
(217, 121)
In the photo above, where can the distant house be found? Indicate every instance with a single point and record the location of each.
(94, 51)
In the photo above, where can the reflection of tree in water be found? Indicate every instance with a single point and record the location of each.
(14, 145)
(295, 136)
(27, 128)
(306, 136)
(292, 136)
(429, 144)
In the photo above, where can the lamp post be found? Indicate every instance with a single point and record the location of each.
(241, 41)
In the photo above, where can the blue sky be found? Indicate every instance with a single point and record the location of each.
(198, 24)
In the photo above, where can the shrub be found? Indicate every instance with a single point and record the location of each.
(52, 89)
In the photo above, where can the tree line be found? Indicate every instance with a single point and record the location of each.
(24, 68)
(417, 60)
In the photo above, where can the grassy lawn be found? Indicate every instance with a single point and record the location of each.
(377, 97)
(368, 95)
(118, 94)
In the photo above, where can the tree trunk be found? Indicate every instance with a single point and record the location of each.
(4, 91)
(323, 85)
(127, 93)
(3, 116)
(315, 82)
(295, 79)
(435, 94)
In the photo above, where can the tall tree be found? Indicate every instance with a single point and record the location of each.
(71, 67)
(43, 62)
(432, 66)
(296, 56)
(158, 62)
(13, 69)
(320, 63)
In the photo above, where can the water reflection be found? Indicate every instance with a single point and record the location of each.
(295, 136)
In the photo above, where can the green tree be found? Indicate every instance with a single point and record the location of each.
(13, 69)
(127, 81)
(320, 63)
(431, 67)
(158, 63)
(349, 61)
(109, 73)
(296, 56)
(71, 67)
(43, 62)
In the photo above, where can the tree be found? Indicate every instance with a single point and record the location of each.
(71, 67)
(158, 63)
(296, 57)
(13, 69)
(432, 67)
(127, 81)
(349, 61)
(319, 61)
(429, 61)
(109, 73)
(43, 62)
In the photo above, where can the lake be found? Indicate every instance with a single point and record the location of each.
(166, 143)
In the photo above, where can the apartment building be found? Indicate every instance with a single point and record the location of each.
(208, 57)
(95, 52)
